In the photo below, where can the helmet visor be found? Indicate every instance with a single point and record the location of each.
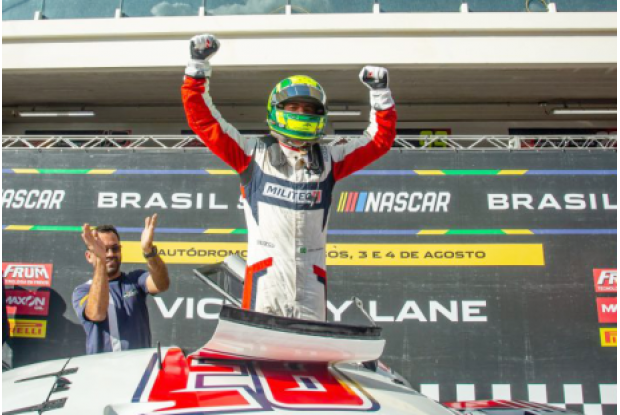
(300, 93)
(303, 127)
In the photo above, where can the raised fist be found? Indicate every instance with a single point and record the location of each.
(374, 77)
(203, 47)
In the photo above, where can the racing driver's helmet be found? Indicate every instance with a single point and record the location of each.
(305, 128)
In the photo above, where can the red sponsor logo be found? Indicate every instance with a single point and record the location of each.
(203, 385)
(27, 275)
(606, 280)
(607, 309)
(27, 303)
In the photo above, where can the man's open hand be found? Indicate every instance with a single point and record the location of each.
(92, 242)
(146, 241)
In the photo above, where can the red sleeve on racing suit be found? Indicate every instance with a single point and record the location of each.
(377, 140)
(221, 138)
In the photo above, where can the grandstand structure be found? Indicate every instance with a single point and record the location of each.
(539, 72)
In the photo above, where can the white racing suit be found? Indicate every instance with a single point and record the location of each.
(286, 198)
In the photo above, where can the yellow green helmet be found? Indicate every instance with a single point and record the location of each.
(302, 127)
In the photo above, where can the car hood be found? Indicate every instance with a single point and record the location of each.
(132, 383)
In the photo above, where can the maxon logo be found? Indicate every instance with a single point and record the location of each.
(378, 202)
(607, 309)
(605, 280)
(27, 303)
(27, 275)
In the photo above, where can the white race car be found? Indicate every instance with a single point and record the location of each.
(254, 363)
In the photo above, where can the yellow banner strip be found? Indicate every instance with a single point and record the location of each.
(219, 231)
(101, 171)
(512, 172)
(219, 172)
(26, 171)
(517, 232)
(433, 232)
(430, 172)
(406, 255)
(18, 227)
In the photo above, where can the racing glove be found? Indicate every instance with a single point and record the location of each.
(377, 80)
(201, 48)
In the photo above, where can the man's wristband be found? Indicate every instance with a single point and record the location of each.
(151, 254)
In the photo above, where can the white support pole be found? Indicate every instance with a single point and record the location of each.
(118, 14)
(464, 8)
(552, 8)
(376, 8)
(514, 143)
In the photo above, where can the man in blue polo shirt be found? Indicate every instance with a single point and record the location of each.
(112, 305)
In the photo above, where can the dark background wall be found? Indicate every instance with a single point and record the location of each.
(523, 314)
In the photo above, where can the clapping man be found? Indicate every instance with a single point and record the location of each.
(112, 305)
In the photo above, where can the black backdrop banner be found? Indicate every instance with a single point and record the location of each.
(492, 273)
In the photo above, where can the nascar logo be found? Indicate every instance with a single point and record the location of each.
(32, 199)
(393, 202)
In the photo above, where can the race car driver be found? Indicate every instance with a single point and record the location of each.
(287, 178)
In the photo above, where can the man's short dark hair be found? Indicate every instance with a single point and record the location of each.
(108, 229)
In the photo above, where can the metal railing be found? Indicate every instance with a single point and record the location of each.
(402, 142)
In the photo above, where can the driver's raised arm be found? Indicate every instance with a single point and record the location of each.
(380, 134)
(204, 119)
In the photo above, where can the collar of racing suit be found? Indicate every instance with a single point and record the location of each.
(281, 154)
(295, 157)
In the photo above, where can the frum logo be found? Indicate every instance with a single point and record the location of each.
(606, 280)
(39, 275)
